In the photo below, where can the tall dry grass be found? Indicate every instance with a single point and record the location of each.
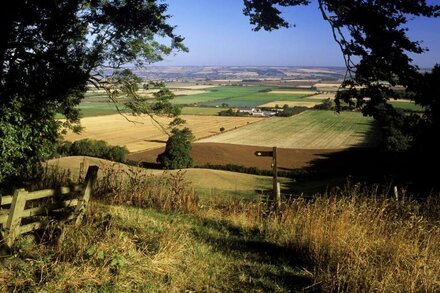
(355, 240)
(132, 186)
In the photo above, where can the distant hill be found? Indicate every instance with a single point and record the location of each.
(239, 72)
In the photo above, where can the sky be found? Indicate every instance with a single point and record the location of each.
(217, 33)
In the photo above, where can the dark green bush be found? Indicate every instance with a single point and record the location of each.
(287, 112)
(177, 150)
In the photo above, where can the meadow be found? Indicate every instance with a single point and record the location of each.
(313, 129)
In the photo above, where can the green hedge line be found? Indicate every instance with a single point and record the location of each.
(93, 148)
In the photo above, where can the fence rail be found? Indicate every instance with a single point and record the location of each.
(25, 214)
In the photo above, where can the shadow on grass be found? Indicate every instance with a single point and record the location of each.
(260, 264)
(155, 140)
(366, 165)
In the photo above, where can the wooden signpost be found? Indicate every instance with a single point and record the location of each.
(276, 197)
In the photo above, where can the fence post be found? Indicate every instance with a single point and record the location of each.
(15, 213)
(92, 174)
(278, 197)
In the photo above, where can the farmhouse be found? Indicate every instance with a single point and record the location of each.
(247, 110)
(263, 113)
(256, 112)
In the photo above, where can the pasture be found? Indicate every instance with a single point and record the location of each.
(91, 109)
(142, 133)
(308, 130)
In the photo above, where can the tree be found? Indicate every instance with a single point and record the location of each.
(373, 32)
(222, 129)
(50, 51)
(177, 150)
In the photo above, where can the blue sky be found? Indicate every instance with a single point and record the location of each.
(217, 33)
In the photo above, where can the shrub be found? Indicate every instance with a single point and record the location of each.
(287, 112)
(117, 154)
(229, 112)
(93, 148)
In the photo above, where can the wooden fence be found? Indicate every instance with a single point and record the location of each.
(26, 213)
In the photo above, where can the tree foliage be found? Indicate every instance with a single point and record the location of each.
(177, 150)
(51, 50)
(373, 33)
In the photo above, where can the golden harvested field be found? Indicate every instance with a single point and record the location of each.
(116, 130)
(308, 130)
(309, 104)
(187, 92)
(293, 92)
(326, 85)
(195, 87)
(322, 96)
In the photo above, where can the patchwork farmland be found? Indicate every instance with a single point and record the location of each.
(211, 98)
(304, 137)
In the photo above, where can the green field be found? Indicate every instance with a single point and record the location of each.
(219, 93)
(237, 96)
(312, 129)
(91, 109)
(407, 106)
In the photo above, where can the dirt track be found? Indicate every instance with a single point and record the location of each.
(222, 154)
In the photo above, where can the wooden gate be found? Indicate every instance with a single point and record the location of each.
(27, 211)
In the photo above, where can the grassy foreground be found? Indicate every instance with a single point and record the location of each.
(156, 234)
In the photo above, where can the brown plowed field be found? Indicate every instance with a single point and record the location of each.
(243, 155)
